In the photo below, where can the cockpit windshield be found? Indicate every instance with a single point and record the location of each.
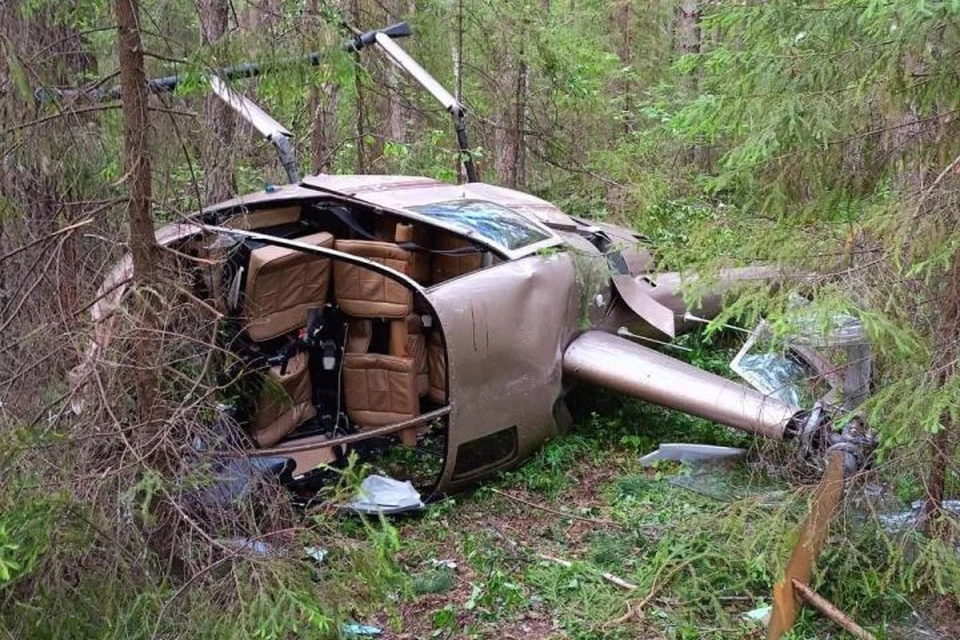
(496, 224)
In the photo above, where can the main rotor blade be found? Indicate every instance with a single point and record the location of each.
(233, 72)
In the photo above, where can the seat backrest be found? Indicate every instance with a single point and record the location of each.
(285, 401)
(282, 284)
(446, 266)
(364, 293)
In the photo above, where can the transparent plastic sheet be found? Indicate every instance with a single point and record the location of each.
(777, 375)
(727, 481)
(778, 371)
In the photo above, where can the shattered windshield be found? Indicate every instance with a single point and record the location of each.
(496, 224)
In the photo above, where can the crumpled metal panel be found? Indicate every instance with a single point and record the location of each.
(637, 294)
(665, 289)
(280, 194)
(505, 329)
(627, 367)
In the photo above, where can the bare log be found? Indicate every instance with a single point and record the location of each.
(827, 608)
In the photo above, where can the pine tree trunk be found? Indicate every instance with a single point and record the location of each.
(218, 153)
(360, 127)
(509, 142)
(323, 104)
(941, 447)
(687, 42)
(623, 17)
(397, 114)
(143, 243)
(456, 53)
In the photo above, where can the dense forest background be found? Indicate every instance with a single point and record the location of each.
(819, 136)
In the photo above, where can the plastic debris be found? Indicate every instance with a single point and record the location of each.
(685, 452)
(246, 546)
(912, 519)
(316, 554)
(442, 564)
(760, 615)
(355, 630)
(774, 374)
(380, 494)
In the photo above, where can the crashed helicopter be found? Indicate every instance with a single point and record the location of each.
(391, 309)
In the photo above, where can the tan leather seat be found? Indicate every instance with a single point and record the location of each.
(437, 368)
(417, 349)
(446, 266)
(379, 389)
(282, 284)
(285, 401)
(365, 293)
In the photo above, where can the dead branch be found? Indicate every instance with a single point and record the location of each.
(605, 523)
(655, 588)
(49, 236)
(827, 608)
(609, 577)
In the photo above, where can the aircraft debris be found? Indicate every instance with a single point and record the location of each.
(372, 312)
(685, 452)
(317, 554)
(382, 495)
(813, 536)
(760, 615)
(356, 630)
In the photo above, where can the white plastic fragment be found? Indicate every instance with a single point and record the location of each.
(683, 452)
(317, 554)
(380, 494)
(760, 615)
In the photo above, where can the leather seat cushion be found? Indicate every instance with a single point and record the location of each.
(285, 402)
(417, 349)
(282, 284)
(437, 368)
(379, 389)
(365, 293)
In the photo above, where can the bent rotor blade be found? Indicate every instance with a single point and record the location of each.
(813, 535)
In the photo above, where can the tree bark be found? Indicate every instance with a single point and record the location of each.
(360, 128)
(688, 27)
(136, 153)
(220, 183)
(456, 53)
(941, 447)
(509, 136)
(323, 103)
(398, 115)
(623, 17)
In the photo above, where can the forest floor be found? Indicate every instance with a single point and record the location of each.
(701, 549)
